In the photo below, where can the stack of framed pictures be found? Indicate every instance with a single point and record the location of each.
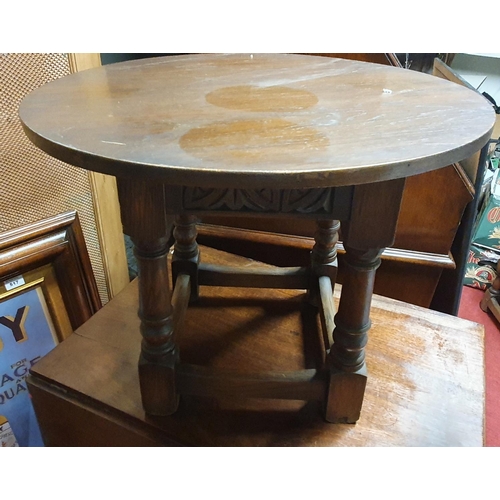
(47, 290)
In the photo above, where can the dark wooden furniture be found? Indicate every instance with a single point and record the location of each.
(471, 169)
(426, 384)
(308, 137)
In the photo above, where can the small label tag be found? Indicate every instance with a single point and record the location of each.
(7, 437)
(14, 283)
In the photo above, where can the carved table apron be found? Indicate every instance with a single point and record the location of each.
(282, 135)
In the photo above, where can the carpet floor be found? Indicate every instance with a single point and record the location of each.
(469, 309)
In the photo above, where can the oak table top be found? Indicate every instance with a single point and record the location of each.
(256, 120)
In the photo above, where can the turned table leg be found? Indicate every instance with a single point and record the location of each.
(186, 257)
(159, 354)
(370, 228)
(144, 219)
(352, 322)
(323, 256)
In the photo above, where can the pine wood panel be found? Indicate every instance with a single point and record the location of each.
(106, 206)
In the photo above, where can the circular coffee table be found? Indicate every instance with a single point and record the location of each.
(257, 134)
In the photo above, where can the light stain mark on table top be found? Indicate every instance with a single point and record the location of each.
(253, 98)
(246, 140)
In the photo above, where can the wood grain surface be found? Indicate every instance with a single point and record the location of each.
(425, 375)
(229, 120)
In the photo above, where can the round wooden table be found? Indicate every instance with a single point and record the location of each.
(263, 134)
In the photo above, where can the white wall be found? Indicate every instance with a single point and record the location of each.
(482, 71)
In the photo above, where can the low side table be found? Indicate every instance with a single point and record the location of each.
(270, 134)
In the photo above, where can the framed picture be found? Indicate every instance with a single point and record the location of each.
(47, 290)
